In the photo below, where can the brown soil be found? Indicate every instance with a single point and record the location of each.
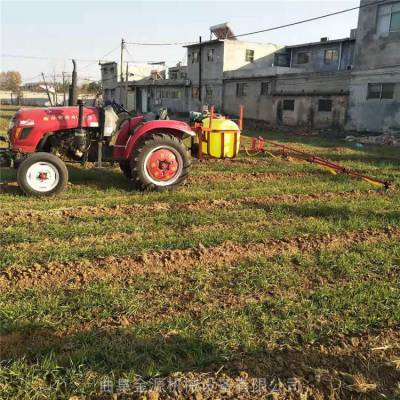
(122, 268)
(65, 214)
(350, 368)
(248, 177)
(354, 369)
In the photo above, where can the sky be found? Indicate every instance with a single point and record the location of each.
(43, 36)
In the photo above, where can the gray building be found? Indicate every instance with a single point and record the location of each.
(208, 61)
(323, 56)
(109, 80)
(308, 86)
(312, 100)
(179, 72)
(375, 80)
(350, 83)
(151, 95)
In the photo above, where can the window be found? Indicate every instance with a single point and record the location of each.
(303, 57)
(210, 55)
(241, 89)
(288, 105)
(249, 55)
(112, 70)
(209, 91)
(195, 93)
(281, 60)
(264, 88)
(380, 91)
(324, 105)
(387, 91)
(175, 94)
(388, 19)
(195, 57)
(173, 75)
(331, 56)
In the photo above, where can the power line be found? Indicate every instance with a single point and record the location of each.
(32, 78)
(308, 20)
(160, 44)
(28, 57)
(267, 29)
(96, 61)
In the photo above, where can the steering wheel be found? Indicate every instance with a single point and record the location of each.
(119, 108)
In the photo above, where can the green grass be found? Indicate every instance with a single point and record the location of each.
(183, 321)
(290, 313)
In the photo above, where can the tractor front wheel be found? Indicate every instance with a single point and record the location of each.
(160, 162)
(42, 174)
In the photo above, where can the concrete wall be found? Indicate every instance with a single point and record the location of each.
(235, 55)
(229, 55)
(374, 50)
(316, 82)
(306, 113)
(345, 50)
(211, 74)
(256, 106)
(109, 75)
(40, 99)
(153, 95)
(305, 89)
(28, 98)
(374, 115)
(376, 60)
(165, 97)
(177, 72)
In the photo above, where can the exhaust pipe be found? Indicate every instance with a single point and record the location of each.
(80, 139)
(73, 92)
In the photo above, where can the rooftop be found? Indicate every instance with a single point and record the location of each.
(204, 43)
(321, 42)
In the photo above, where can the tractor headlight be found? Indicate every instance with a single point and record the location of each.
(26, 122)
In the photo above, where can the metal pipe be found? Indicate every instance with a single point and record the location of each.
(122, 70)
(80, 114)
(340, 55)
(73, 87)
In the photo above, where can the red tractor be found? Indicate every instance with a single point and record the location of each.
(151, 153)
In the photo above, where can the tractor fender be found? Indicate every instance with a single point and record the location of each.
(177, 128)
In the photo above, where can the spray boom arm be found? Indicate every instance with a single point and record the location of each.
(259, 145)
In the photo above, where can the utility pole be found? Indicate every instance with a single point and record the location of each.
(122, 70)
(126, 85)
(55, 90)
(47, 90)
(200, 68)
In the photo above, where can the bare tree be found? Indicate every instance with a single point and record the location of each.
(10, 80)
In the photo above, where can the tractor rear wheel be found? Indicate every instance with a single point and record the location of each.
(160, 162)
(42, 174)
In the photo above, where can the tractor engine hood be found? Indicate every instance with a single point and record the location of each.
(29, 125)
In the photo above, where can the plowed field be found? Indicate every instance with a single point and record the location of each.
(260, 278)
